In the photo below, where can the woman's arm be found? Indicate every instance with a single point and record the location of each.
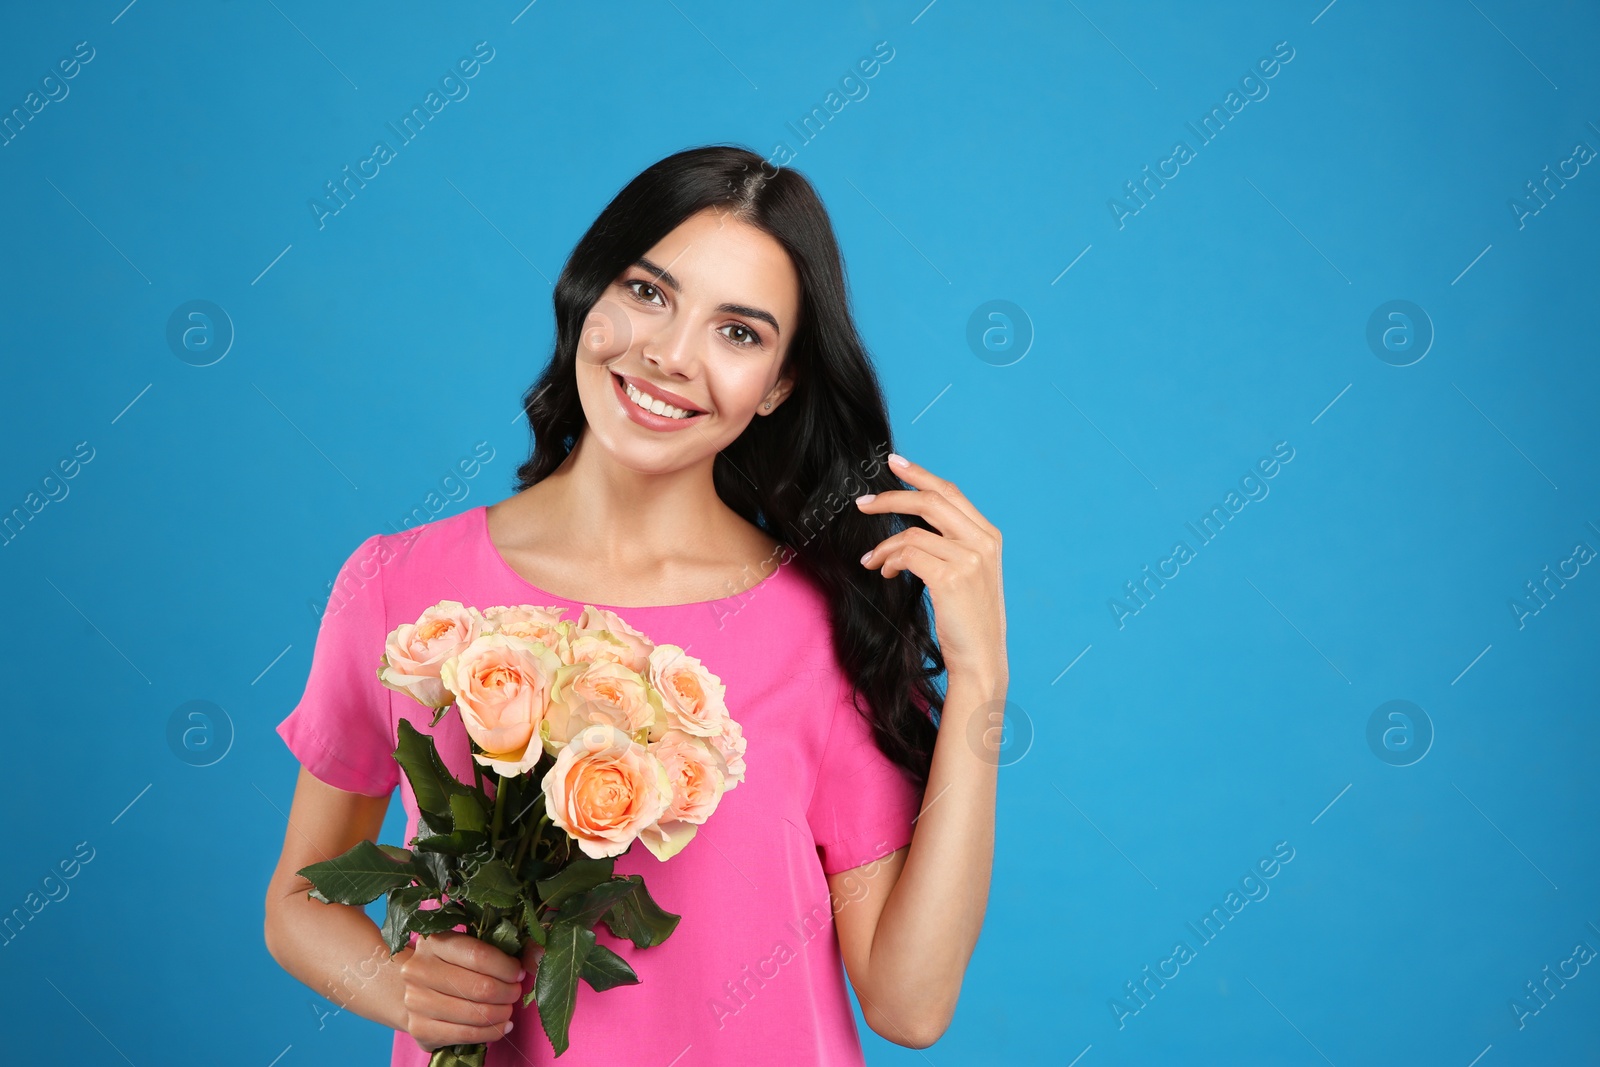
(450, 989)
(909, 923)
(333, 948)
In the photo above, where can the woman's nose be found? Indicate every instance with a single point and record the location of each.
(672, 349)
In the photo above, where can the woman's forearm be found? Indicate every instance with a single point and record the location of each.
(930, 923)
(337, 951)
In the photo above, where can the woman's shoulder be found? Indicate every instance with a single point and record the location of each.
(400, 554)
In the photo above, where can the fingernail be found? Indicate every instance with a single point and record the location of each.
(865, 557)
(898, 460)
(507, 1030)
(522, 972)
(866, 498)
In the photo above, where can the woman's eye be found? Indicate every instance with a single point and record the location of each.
(647, 293)
(631, 283)
(752, 338)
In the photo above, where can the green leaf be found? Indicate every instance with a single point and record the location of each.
(639, 918)
(588, 906)
(395, 852)
(359, 876)
(493, 885)
(459, 1056)
(531, 924)
(402, 902)
(537, 870)
(576, 877)
(454, 843)
(431, 781)
(437, 920)
(603, 969)
(555, 986)
(441, 872)
(506, 937)
(469, 813)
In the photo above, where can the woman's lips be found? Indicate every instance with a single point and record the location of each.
(649, 419)
(658, 392)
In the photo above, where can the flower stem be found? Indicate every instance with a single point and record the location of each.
(499, 806)
(528, 837)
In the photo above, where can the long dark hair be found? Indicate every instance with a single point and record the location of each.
(794, 473)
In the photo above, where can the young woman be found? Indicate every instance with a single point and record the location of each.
(712, 462)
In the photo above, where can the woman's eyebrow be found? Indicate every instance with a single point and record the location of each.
(667, 278)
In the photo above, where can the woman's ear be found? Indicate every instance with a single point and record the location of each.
(776, 396)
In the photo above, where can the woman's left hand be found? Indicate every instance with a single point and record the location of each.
(960, 565)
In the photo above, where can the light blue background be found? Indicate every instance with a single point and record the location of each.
(1228, 715)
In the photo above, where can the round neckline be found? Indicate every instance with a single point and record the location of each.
(494, 551)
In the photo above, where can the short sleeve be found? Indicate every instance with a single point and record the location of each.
(864, 804)
(341, 730)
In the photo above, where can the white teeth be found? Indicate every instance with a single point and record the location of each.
(649, 403)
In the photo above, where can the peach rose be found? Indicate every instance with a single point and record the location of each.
(531, 623)
(696, 772)
(593, 619)
(698, 775)
(691, 695)
(604, 789)
(730, 745)
(523, 620)
(415, 652)
(587, 646)
(502, 686)
(600, 691)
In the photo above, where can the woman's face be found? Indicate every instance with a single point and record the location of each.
(700, 323)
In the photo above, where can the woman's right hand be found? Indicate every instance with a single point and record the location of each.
(459, 990)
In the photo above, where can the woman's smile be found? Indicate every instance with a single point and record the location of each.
(694, 331)
(647, 408)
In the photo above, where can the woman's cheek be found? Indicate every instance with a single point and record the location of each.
(608, 331)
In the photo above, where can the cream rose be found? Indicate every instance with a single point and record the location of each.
(691, 696)
(595, 620)
(502, 686)
(604, 789)
(592, 693)
(415, 652)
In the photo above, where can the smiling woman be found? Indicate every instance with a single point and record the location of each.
(656, 325)
(707, 399)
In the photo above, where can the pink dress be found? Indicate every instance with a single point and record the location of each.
(752, 974)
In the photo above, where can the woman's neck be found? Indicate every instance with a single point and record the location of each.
(625, 517)
(594, 514)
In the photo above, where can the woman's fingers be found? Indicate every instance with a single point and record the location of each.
(472, 954)
(459, 990)
(469, 985)
(923, 478)
(941, 511)
(443, 1003)
(924, 553)
(964, 538)
(923, 564)
(913, 536)
(432, 1035)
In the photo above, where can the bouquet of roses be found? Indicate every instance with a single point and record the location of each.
(585, 737)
